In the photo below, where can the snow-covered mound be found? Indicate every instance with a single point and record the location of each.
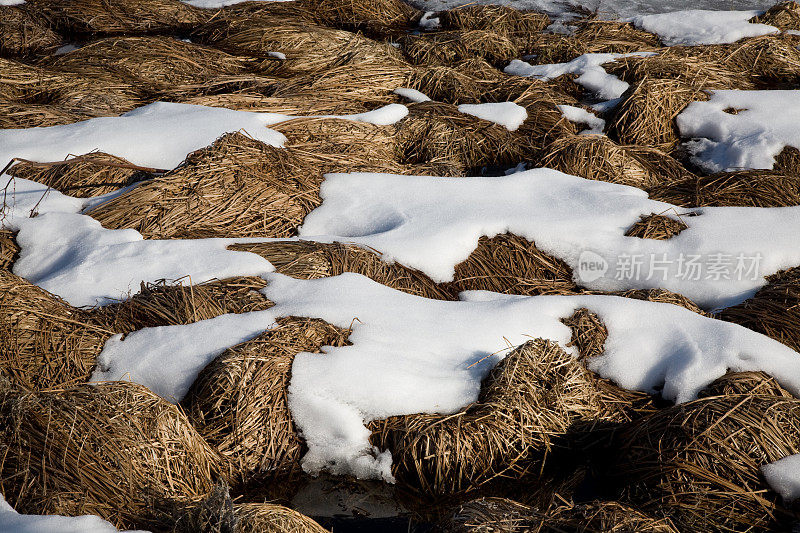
(13, 522)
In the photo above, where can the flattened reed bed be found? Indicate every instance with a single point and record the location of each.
(23, 34)
(115, 450)
(380, 18)
(113, 17)
(449, 47)
(249, 101)
(674, 64)
(157, 62)
(527, 403)
(656, 226)
(603, 36)
(774, 310)
(599, 158)
(83, 176)
(554, 47)
(756, 383)
(698, 463)
(44, 342)
(746, 188)
(486, 515)
(238, 402)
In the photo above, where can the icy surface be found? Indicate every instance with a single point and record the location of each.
(13, 522)
(411, 355)
(73, 256)
(784, 477)
(158, 135)
(581, 116)
(588, 67)
(697, 26)
(412, 95)
(167, 359)
(763, 124)
(434, 223)
(507, 114)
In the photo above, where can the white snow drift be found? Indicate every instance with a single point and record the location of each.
(784, 477)
(507, 114)
(741, 129)
(698, 26)
(13, 522)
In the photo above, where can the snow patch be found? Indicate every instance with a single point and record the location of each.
(412, 95)
(507, 114)
(579, 115)
(698, 26)
(13, 522)
(211, 4)
(741, 129)
(784, 477)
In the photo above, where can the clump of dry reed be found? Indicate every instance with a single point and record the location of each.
(599, 158)
(500, 19)
(449, 47)
(783, 15)
(554, 47)
(381, 18)
(272, 518)
(110, 17)
(647, 113)
(115, 450)
(511, 264)
(603, 36)
(312, 260)
(656, 226)
(84, 176)
(9, 250)
(698, 462)
(746, 188)
(248, 101)
(41, 97)
(44, 342)
(238, 402)
(674, 64)
(157, 62)
(23, 34)
(438, 135)
(530, 399)
(772, 59)
(239, 187)
(757, 383)
(159, 304)
(494, 515)
(774, 310)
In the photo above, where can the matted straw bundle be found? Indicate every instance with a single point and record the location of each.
(674, 64)
(746, 188)
(466, 82)
(155, 61)
(774, 310)
(698, 462)
(307, 48)
(240, 187)
(647, 113)
(159, 304)
(44, 342)
(528, 401)
(115, 450)
(774, 59)
(24, 34)
(757, 383)
(312, 260)
(511, 264)
(500, 19)
(554, 47)
(374, 17)
(84, 176)
(99, 17)
(237, 187)
(597, 157)
(450, 47)
(501, 515)
(440, 136)
(656, 226)
(783, 15)
(248, 101)
(238, 402)
(9, 250)
(272, 518)
(603, 36)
